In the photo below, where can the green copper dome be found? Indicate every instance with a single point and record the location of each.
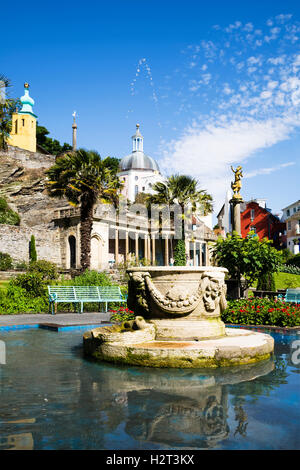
(27, 102)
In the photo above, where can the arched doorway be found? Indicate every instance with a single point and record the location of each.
(96, 252)
(72, 247)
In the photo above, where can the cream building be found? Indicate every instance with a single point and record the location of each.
(291, 215)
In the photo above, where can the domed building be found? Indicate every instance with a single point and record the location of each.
(138, 171)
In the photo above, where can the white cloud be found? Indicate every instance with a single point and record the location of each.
(207, 153)
(267, 171)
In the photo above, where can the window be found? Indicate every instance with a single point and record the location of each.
(143, 189)
(136, 178)
(252, 214)
(294, 209)
(23, 122)
(136, 189)
(289, 225)
(16, 126)
(288, 212)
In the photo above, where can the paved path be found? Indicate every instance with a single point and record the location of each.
(59, 319)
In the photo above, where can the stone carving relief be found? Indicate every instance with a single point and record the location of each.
(214, 293)
(211, 289)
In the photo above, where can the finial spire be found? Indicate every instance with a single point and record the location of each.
(137, 140)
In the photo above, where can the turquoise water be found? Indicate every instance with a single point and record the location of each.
(51, 397)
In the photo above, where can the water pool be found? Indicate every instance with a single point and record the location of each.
(51, 397)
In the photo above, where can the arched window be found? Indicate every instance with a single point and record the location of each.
(72, 248)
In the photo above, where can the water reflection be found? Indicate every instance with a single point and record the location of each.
(49, 392)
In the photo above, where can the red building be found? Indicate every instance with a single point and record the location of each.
(255, 217)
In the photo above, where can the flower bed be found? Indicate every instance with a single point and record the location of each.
(121, 314)
(262, 311)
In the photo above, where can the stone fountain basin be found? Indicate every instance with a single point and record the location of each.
(236, 347)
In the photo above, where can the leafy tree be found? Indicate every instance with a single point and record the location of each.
(7, 107)
(52, 146)
(83, 178)
(112, 163)
(248, 257)
(32, 249)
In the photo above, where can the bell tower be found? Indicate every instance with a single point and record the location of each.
(23, 132)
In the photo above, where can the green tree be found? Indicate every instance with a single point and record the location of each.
(248, 257)
(7, 107)
(83, 178)
(52, 146)
(32, 249)
(112, 164)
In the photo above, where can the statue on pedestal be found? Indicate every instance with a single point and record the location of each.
(237, 184)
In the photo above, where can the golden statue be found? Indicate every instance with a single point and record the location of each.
(237, 184)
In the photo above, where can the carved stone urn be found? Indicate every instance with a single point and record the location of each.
(177, 323)
(183, 302)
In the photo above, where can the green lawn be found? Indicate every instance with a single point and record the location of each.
(284, 280)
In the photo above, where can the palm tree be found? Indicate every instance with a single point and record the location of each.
(83, 178)
(182, 190)
(7, 106)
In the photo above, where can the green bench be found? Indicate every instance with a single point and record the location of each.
(78, 295)
(291, 295)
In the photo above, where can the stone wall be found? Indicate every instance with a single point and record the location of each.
(22, 183)
(15, 241)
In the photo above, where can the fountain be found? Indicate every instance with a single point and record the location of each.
(178, 323)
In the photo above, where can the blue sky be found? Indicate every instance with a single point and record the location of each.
(212, 84)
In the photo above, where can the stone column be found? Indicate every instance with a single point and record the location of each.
(116, 246)
(74, 136)
(137, 246)
(207, 255)
(149, 248)
(236, 214)
(146, 247)
(153, 250)
(194, 253)
(200, 256)
(167, 251)
(126, 245)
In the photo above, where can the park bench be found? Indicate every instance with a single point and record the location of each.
(291, 295)
(78, 295)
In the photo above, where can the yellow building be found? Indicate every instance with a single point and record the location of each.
(23, 133)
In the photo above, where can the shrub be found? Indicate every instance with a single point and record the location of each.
(6, 262)
(15, 300)
(21, 266)
(264, 311)
(7, 215)
(91, 278)
(289, 269)
(179, 254)
(32, 282)
(294, 261)
(121, 314)
(45, 268)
